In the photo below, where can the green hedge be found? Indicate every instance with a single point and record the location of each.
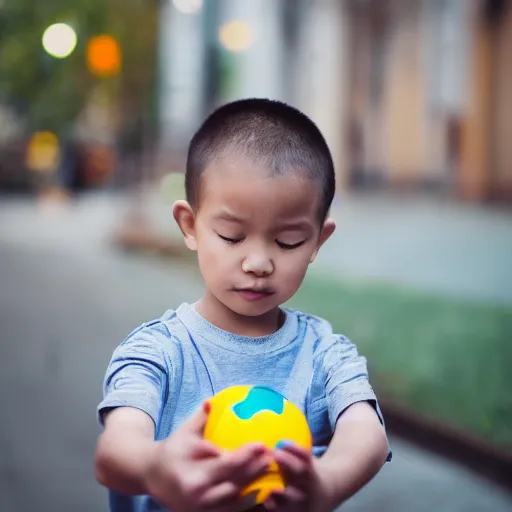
(449, 359)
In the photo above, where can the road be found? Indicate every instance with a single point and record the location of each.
(67, 297)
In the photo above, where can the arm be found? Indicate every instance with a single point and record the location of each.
(182, 472)
(125, 451)
(357, 451)
(135, 381)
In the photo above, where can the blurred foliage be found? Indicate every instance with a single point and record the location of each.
(49, 93)
(447, 359)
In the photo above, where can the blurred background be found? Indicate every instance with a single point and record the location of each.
(98, 101)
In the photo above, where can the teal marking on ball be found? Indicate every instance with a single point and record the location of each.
(259, 399)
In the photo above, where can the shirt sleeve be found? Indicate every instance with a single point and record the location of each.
(137, 375)
(346, 379)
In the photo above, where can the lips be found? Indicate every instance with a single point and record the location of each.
(252, 294)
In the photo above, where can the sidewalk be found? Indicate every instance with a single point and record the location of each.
(438, 246)
(441, 246)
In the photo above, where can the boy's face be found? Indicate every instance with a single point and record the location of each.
(255, 235)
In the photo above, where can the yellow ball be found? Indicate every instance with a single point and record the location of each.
(246, 414)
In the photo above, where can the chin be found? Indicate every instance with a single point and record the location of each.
(250, 309)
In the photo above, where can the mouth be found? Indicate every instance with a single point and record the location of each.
(252, 294)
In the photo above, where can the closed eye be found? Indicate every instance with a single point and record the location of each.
(231, 241)
(289, 246)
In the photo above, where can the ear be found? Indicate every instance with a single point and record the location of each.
(185, 218)
(326, 232)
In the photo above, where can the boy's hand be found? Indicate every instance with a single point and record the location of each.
(304, 489)
(191, 474)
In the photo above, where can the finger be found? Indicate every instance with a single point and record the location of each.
(295, 449)
(245, 464)
(203, 449)
(222, 495)
(196, 423)
(290, 497)
(271, 504)
(275, 501)
(294, 495)
(296, 470)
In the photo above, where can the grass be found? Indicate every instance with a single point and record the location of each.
(449, 359)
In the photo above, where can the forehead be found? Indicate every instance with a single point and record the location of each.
(249, 191)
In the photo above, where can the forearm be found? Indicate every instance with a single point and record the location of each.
(123, 462)
(357, 452)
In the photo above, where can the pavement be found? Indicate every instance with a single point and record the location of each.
(67, 298)
(440, 246)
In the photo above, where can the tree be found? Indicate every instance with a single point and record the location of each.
(49, 93)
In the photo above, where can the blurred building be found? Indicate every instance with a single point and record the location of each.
(410, 94)
(430, 101)
(219, 50)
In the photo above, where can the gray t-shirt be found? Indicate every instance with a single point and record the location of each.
(169, 366)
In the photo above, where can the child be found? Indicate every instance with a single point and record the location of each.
(259, 185)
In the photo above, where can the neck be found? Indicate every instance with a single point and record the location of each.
(224, 318)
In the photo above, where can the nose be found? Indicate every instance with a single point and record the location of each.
(258, 263)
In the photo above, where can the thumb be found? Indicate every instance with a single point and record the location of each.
(197, 421)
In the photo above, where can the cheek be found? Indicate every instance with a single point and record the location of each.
(293, 267)
(213, 256)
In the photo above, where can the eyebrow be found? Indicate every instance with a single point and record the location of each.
(230, 217)
(294, 225)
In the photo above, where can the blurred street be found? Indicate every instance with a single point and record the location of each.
(67, 298)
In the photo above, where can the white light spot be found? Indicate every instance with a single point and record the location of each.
(59, 40)
(188, 6)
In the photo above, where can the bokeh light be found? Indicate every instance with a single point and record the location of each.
(188, 6)
(236, 36)
(43, 152)
(103, 56)
(59, 40)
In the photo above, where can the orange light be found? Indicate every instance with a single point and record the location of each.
(103, 56)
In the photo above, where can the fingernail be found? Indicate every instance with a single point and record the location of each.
(284, 443)
(207, 406)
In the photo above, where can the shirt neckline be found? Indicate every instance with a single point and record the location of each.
(188, 314)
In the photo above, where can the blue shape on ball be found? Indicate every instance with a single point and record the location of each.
(284, 443)
(259, 399)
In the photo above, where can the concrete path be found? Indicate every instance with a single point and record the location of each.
(449, 248)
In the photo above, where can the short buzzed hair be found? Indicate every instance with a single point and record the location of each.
(273, 134)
